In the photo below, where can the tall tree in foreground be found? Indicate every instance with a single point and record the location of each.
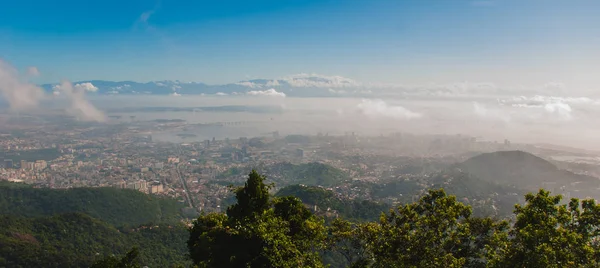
(258, 232)
(437, 231)
(547, 234)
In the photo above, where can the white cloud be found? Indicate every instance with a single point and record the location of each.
(122, 87)
(175, 87)
(378, 108)
(248, 84)
(539, 100)
(559, 109)
(554, 107)
(272, 83)
(33, 71)
(221, 94)
(319, 81)
(19, 94)
(269, 92)
(89, 87)
(340, 91)
(175, 94)
(80, 106)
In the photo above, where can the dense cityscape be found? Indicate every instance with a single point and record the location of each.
(292, 134)
(65, 154)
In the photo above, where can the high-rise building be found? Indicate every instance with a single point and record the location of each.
(40, 164)
(8, 163)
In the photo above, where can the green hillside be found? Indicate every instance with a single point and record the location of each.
(76, 227)
(360, 210)
(119, 207)
(315, 174)
(78, 240)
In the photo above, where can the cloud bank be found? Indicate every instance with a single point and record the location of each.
(269, 92)
(19, 94)
(89, 87)
(379, 108)
(80, 107)
(487, 113)
(33, 71)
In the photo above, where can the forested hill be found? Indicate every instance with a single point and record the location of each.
(521, 169)
(313, 173)
(78, 240)
(327, 202)
(41, 227)
(119, 207)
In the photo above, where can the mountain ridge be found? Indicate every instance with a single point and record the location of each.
(521, 169)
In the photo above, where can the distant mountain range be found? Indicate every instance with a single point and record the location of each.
(300, 85)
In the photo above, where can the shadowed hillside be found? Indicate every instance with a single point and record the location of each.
(120, 207)
(523, 170)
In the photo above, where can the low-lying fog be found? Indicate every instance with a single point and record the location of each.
(563, 121)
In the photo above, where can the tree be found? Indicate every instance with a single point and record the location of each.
(130, 260)
(345, 240)
(252, 198)
(434, 232)
(547, 234)
(257, 232)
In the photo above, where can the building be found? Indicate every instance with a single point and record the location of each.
(140, 185)
(156, 188)
(40, 165)
(158, 165)
(8, 163)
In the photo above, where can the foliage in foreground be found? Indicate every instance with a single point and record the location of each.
(436, 231)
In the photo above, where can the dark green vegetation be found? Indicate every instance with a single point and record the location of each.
(329, 204)
(119, 207)
(436, 231)
(315, 174)
(78, 240)
(76, 227)
(430, 228)
(258, 231)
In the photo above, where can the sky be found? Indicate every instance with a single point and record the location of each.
(386, 41)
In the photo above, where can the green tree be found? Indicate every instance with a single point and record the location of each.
(437, 231)
(130, 260)
(548, 234)
(346, 241)
(258, 231)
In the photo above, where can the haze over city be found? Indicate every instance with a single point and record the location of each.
(299, 133)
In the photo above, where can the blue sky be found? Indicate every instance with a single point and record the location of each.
(392, 41)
